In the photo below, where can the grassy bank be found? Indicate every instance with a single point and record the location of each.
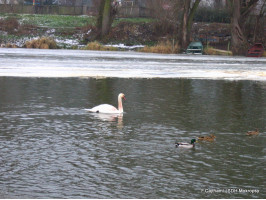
(132, 20)
(67, 31)
(52, 21)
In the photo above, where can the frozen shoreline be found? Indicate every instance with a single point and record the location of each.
(121, 64)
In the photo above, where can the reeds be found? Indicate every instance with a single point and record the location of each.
(99, 47)
(41, 43)
(162, 47)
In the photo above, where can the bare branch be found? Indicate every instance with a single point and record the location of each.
(246, 10)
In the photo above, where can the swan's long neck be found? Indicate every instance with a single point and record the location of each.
(120, 105)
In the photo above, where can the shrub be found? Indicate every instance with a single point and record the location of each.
(9, 25)
(164, 27)
(99, 47)
(9, 45)
(162, 47)
(42, 43)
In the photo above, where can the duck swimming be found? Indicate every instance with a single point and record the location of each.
(207, 138)
(250, 133)
(186, 145)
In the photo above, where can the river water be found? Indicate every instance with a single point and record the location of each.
(51, 147)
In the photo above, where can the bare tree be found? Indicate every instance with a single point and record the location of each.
(258, 19)
(189, 9)
(168, 12)
(106, 14)
(240, 12)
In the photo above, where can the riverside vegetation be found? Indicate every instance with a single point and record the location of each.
(76, 32)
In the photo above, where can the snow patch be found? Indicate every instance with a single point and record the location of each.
(50, 31)
(123, 46)
(67, 42)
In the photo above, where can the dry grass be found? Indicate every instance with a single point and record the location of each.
(8, 45)
(99, 47)
(42, 43)
(162, 47)
(213, 51)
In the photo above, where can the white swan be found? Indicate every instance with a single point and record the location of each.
(106, 108)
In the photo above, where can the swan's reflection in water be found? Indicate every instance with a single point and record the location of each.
(106, 117)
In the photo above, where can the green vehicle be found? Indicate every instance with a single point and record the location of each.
(195, 48)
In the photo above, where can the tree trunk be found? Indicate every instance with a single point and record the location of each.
(187, 22)
(190, 19)
(258, 18)
(183, 30)
(106, 20)
(239, 15)
(239, 42)
(100, 15)
(105, 17)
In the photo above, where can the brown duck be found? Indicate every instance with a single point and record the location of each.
(250, 133)
(207, 138)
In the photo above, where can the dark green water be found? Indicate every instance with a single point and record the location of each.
(51, 147)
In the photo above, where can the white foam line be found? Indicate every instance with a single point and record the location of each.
(75, 63)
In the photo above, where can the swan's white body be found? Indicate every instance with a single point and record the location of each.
(106, 108)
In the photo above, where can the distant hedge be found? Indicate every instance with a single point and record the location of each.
(212, 15)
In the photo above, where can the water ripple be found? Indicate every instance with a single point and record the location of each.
(56, 149)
